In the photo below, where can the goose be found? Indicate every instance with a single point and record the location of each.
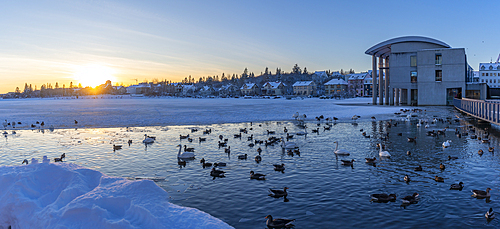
(278, 167)
(490, 214)
(117, 147)
(481, 193)
(383, 198)
(278, 223)
(220, 164)
(407, 178)
(345, 162)
(370, 160)
(271, 132)
(278, 192)
(410, 199)
(458, 186)
(258, 158)
(183, 136)
(185, 155)
(60, 159)
(257, 176)
(243, 157)
(452, 158)
(438, 179)
(289, 136)
(441, 166)
(446, 143)
(419, 168)
(216, 173)
(147, 140)
(186, 149)
(340, 151)
(383, 153)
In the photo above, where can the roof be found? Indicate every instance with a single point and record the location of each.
(384, 48)
(336, 82)
(321, 73)
(489, 66)
(248, 85)
(274, 85)
(358, 76)
(302, 83)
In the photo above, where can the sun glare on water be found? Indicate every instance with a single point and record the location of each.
(94, 75)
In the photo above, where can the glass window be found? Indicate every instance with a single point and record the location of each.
(413, 76)
(486, 74)
(413, 61)
(439, 59)
(439, 75)
(483, 73)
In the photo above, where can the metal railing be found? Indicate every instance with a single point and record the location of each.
(487, 110)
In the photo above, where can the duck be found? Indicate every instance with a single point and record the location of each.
(278, 223)
(257, 176)
(186, 149)
(480, 152)
(441, 166)
(76, 122)
(205, 164)
(183, 136)
(407, 178)
(278, 167)
(370, 160)
(491, 149)
(481, 193)
(147, 140)
(315, 130)
(383, 198)
(408, 153)
(446, 144)
(60, 159)
(202, 139)
(419, 168)
(259, 150)
(410, 199)
(355, 117)
(278, 192)
(250, 138)
(216, 173)
(411, 139)
(383, 153)
(185, 155)
(117, 147)
(452, 158)
(222, 144)
(458, 186)
(227, 150)
(242, 157)
(490, 214)
(181, 162)
(258, 158)
(129, 142)
(438, 179)
(25, 161)
(345, 162)
(220, 164)
(342, 152)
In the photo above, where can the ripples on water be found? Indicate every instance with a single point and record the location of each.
(323, 193)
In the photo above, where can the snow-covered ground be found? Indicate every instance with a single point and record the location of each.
(128, 112)
(65, 195)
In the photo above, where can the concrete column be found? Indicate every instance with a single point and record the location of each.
(409, 97)
(397, 96)
(374, 79)
(380, 81)
(386, 81)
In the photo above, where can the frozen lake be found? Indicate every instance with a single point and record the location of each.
(322, 192)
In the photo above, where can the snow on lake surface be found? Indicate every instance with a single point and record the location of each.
(66, 195)
(130, 112)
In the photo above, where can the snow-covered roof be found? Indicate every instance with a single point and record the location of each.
(336, 82)
(188, 87)
(321, 73)
(384, 48)
(368, 80)
(303, 83)
(358, 76)
(489, 66)
(248, 85)
(274, 85)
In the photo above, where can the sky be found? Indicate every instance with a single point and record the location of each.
(91, 41)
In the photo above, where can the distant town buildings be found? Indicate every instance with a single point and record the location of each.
(304, 88)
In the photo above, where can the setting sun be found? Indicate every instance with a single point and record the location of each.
(94, 75)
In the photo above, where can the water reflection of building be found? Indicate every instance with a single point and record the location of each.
(418, 71)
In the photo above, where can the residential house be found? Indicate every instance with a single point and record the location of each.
(368, 87)
(141, 88)
(250, 89)
(335, 86)
(356, 83)
(273, 88)
(188, 90)
(228, 90)
(207, 91)
(305, 88)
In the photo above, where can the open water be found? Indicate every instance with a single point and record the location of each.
(322, 192)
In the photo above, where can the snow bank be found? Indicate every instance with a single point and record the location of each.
(65, 195)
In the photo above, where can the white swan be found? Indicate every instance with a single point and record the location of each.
(446, 143)
(288, 145)
(185, 155)
(383, 153)
(340, 151)
(147, 139)
(302, 132)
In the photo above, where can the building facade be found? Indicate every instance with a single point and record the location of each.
(418, 71)
(335, 87)
(304, 88)
(250, 89)
(489, 73)
(273, 88)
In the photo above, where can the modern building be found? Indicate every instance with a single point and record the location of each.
(335, 86)
(418, 71)
(305, 88)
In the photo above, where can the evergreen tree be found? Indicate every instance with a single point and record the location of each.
(57, 85)
(305, 70)
(296, 69)
(266, 72)
(17, 90)
(70, 84)
(79, 85)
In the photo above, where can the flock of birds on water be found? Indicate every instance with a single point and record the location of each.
(186, 154)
